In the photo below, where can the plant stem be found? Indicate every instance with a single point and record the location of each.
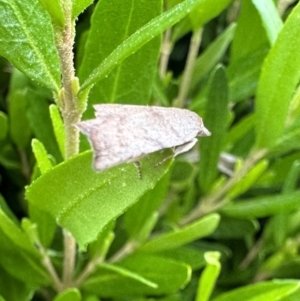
(165, 53)
(71, 114)
(189, 68)
(216, 200)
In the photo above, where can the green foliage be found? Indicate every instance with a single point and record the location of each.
(218, 223)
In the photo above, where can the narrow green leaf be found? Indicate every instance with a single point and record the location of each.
(79, 6)
(139, 69)
(207, 10)
(19, 127)
(41, 155)
(128, 274)
(216, 120)
(54, 8)
(40, 123)
(209, 276)
(274, 290)
(243, 74)
(248, 180)
(263, 206)
(155, 27)
(70, 294)
(212, 55)
(169, 275)
(12, 289)
(175, 239)
(58, 127)
(88, 201)
(3, 125)
(17, 256)
(279, 77)
(270, 18)
(290, 183)
(27, 41)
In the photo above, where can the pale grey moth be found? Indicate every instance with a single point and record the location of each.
(126, 133)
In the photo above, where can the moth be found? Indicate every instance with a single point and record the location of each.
(126, 133)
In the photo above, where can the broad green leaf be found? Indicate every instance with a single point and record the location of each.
(17, 256)
(263, 206)
(272, 291)
(7, 211)
(79, 6)
(55, 10)
(27, 41)
(41, 155)
(270, 18)
(183, 236)
(153, 28)
(212, 55)
(209, 276)
(12, 289)
(132, 79)
(169, 275)
(3, 125)
(19, 128)
(40, 123)
(136, 217)
(279, 77)
(215, 120)
(88, 201)
(70, 294)
(58, 128)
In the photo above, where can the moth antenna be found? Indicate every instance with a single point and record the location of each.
(137, 164)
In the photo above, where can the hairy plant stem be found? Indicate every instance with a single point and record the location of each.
(71, 114)
(217, 200)
(189, 69)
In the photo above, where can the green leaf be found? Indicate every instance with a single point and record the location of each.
(55, 10)
(40, 123)
(12, 289)
(153, 28)
(270, 18)
(207, 10)
(27, 41)
(18, 257)
(142, 212)
(7, 211)
(3, 125)
(263, 206)
(19, 128)
(169, 275)
(243, 74)
(128, 274)
(248, 180)
(58, 127)
(88, 201)
(279, 77)
(41, 155)
(139, 69)
(180, 237)
(216, 120)
(272, 291)
(79, 6)
(70, 294)
(212, 55)
(209, 276)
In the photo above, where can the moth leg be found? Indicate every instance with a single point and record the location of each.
(179, 150)
(137, 164)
